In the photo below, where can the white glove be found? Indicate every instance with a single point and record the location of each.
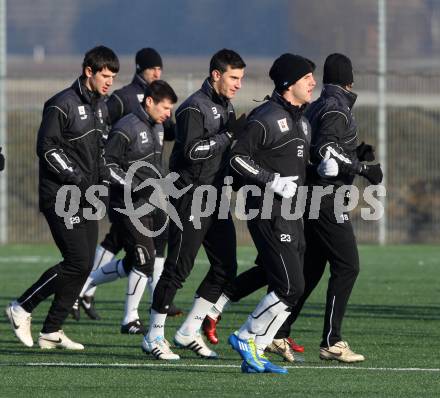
(284, 186)
(328, 166)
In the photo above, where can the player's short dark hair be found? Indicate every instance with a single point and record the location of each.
(224, 58)
(159, 90)
(101, 57)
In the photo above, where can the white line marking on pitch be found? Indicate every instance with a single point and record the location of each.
(152, 365)
(28, 259)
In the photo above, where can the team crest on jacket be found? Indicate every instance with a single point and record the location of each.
(140, 97)
(215, 112)
(144, 137)
(305, 127)
(283, 125)
(82, 112)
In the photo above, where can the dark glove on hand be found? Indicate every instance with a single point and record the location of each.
(373, 173)
(235, 127)
(365, 152)
(75, 178)
(2, 160)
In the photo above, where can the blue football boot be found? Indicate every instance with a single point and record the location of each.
(247, 351)
(246, 369)
(270, 367)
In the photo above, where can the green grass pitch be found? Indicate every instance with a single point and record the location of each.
(393, 318)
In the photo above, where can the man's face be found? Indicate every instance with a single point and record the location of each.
(160, 111)
(227, 83)
(152, 74)
(101, 81)
(302, 90)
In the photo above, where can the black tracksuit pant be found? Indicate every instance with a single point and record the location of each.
(65, 279)
(160, 241)
(138, 246)
(219, 240)
(333, 242)
(114, 242)
(326, 241)
(280, 244)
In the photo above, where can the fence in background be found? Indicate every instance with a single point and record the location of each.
(413, 141)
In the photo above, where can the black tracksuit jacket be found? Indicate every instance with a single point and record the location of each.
(69, 143)
(201, 150)
(133, 138)
(334, 128)
(126, 100)
(276, 140)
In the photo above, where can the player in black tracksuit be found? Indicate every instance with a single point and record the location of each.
(135, 139)
(273, 153)
(330, 238)
(122, 102)
(70, 151)
(205, 129)
(333, 130)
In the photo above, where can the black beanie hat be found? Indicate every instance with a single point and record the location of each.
(338, 70)
(147, 58)
(288, 69)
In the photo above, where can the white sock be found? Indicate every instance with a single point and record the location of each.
(135, 289)
(157, 325)
(196, 315)
(16, 307)
(263, 340)
(102, 257)
(217, 309)
(260, 320)
(107, 273)
(157, 272)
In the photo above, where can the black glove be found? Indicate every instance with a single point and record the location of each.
(373, 173)
(2, 160)
(235, 127)
(365, 152)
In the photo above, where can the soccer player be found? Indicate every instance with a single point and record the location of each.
(273, 153)
(69, 147)
(134, 138)
(330, 238)
(206, 127)
(122, 102)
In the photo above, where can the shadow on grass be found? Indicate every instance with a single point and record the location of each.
(310, 310)
(405, 312)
